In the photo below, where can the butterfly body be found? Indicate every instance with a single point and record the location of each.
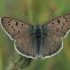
(32, 41)
(37, 31)
(38, 36)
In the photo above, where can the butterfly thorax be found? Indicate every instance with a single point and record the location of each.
(37, 31)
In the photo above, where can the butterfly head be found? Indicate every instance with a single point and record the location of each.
(37, 25)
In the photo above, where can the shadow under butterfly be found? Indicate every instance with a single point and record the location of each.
(33, 41)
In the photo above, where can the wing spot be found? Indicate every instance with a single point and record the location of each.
(9, 22)
(21, 24)
(53, 23)
(11, 26)
(46, 53)
(30, 52)
(16, 23)
(63, 23)
(57, 30)
(65, 18)
(58, 21)
(13, 29)
(18, 32)
(61, 26)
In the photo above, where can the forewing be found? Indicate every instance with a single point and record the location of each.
(58, 26)
(15, 28)
(51, 44)
(26, 46)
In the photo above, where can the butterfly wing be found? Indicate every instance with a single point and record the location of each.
(53, 30)
(26, 47)
(50, 45)
(59, 26)
(14, 27)
(22, 32)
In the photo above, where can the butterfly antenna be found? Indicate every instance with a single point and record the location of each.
(47, 14)
(26, 16)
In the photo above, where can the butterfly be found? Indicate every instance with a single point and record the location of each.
(39, 40)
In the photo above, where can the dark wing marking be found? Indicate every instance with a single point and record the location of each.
(59, 26)
(16, 28)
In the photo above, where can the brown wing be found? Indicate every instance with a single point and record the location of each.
(14, 27)
(51, 44)
(26, 46)
(22, 32)
(52, 31)
(59, 26)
